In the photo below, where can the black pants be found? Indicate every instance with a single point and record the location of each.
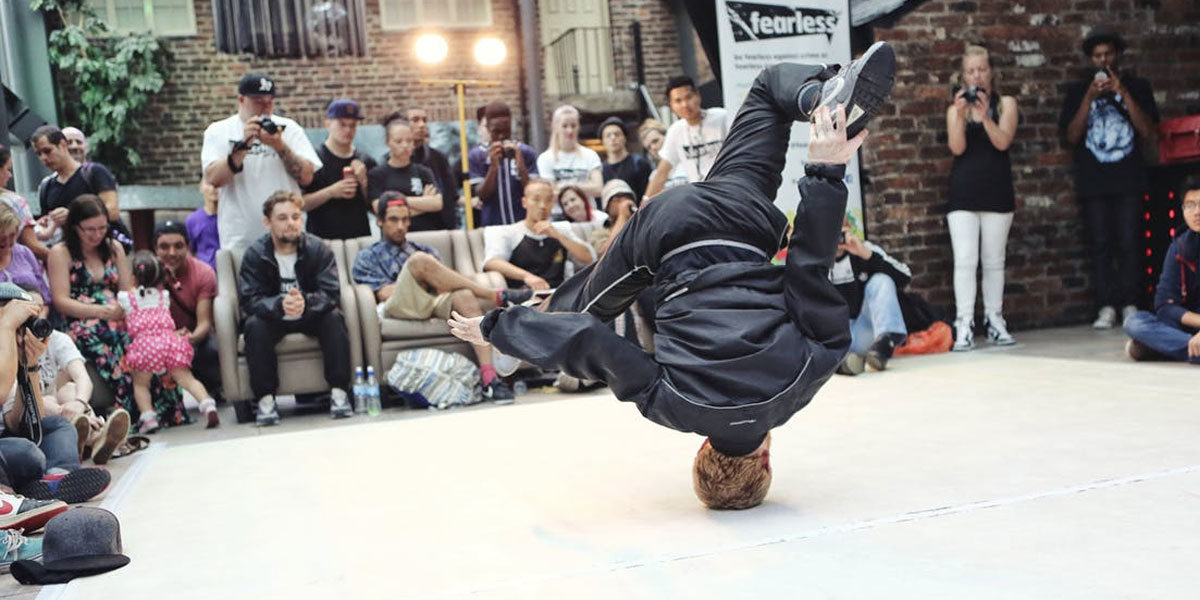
(1111, 223)
(263, 334)
(206, 366)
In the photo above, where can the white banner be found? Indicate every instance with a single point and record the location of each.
(754, 35)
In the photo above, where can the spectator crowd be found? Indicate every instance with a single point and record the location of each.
(133, 331)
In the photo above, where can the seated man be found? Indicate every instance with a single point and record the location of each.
(619, 202)
(722, 307)
(1172, 331)
(288, 284)
(410, 282)
(192, 285)
(41, 453)
(534, 252)
(868, 279)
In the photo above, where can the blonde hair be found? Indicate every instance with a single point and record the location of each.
(560, 113)
(973, 50)
(651, 125)
(9, 220)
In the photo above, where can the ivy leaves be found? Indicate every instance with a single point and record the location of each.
(113, 76)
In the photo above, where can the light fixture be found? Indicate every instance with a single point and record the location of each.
(431, 48)
(490, 51)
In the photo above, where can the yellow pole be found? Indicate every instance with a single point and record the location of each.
(460, 89)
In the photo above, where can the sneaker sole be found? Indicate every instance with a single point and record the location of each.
(267, 422)
(213, 419)
(877, 361)
(82, 431)
(35, 519)
(115, 430)
(872, 77)
(73, 488)
(852, 365)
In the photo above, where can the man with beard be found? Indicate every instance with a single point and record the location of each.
(289, 284)
(192, 285)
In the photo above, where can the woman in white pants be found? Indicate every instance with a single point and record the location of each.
(980, 127)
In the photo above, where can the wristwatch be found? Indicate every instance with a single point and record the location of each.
(236, 168)
(33, 368)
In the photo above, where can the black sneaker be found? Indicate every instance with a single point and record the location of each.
(77, 486)
(1140, 352)
(498, 392)
(881, 352)
(506, 298)
(851, 365)
(861, 86)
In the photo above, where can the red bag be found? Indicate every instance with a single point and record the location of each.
(1179, 139)
(938, 338)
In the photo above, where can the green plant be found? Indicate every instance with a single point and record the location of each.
(112, 77)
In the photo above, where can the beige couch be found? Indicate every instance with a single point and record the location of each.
(475, 240)
(301, 370)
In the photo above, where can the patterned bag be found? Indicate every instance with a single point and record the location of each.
(430, 377)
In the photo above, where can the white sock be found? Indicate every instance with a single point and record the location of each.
(266, 403)
(338, 395)
(208, 405)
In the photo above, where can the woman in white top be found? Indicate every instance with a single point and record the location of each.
(566, 162)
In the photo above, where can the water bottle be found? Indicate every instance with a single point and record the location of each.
(374, 408)
(520, 388)
(360, 399)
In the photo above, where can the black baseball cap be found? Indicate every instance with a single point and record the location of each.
(167, 227)
(612, 121)
(256, 84)
(343, 108)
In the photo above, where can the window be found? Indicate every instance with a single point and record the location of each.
(411, 14)
(161, 17)
(291, 28)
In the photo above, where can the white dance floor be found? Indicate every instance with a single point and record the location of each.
(985, 475)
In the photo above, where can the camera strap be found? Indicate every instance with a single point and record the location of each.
(31, 417)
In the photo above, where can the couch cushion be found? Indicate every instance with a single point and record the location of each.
(290, 344)
(399, 329)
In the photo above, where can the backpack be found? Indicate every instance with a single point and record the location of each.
(428, 377)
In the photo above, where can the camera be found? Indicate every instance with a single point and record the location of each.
(39, 327)
(271, 127)
(509, 152)
(971, 94)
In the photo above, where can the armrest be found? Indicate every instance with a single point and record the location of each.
(226, 330)
(350, 312)
(372, 337)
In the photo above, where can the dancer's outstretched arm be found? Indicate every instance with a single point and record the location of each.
(576, 343)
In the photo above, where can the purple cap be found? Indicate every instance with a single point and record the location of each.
(343, 109)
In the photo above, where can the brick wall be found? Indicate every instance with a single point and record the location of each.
(660, 39)
(202, 86)
(1035, 47)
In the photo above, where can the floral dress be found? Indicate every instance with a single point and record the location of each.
(103, 344)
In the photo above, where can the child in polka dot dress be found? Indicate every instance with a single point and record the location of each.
(156, 346)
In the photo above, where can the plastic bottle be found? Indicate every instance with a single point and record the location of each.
(374, 407)
(360, 400)
(520, 388)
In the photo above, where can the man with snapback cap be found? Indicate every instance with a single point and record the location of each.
(336, 199)
(251, 155)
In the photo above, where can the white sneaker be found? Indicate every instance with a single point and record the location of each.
(1128, 312)
(339, 405)
(504, 364)
(997, 331)
(1106, 319)
(964, 336)
(267, 413)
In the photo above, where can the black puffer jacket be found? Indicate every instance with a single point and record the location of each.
(316, 274)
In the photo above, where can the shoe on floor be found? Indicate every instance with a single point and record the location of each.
(566, 383)
(1128, 312)
(1106, 319)
(83, 431)
(504, 364)
(15, 546)
(1139, 351)
(964, 336)
(881, 352)
(498, 392)
(861, 86)
(339, 404)
(74, 487)
(515, 297)
(852, 364)
(208, 408)
(29, 514)
(147, 424)
(268, 413)
(997, 331)
(110, 436)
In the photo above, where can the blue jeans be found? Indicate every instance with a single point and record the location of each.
(880, 314)
(1167, 339)
(27, 462)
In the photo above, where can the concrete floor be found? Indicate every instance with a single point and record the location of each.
(1053, 469)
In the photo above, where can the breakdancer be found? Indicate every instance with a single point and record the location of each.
(740, 344)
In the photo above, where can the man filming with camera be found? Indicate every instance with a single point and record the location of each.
(250, 156)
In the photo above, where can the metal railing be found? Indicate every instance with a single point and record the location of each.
(594, 60)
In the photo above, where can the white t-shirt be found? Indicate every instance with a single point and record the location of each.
(287, 276)
(239, 210)
(569, 167)
(692, 150)
(60, 352)
(499, 241)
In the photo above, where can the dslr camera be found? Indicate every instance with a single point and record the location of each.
(39, 327)
(971, 94)
(271, 127)
(508, 150)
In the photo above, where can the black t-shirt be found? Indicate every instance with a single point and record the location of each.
(89, 178)
(1108, 160)
(338, 218)
(436, 161)
(410, 181)
(634, 170)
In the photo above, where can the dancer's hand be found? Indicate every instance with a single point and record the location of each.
(466, 328)
(1194, 346)
(827, 143)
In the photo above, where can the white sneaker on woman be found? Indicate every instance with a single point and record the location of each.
(997, 331)
(964, 337)
(1106, 319)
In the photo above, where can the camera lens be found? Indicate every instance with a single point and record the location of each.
(40, 328)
